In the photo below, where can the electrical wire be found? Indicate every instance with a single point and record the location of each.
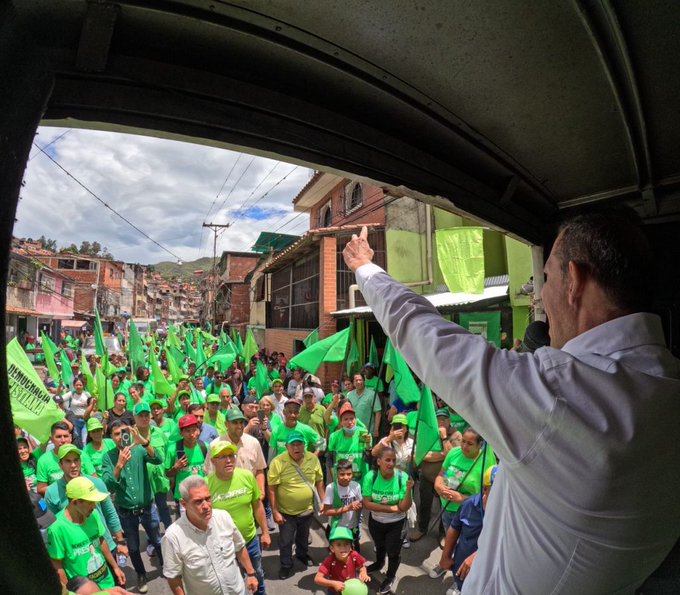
(245, 202)
(62, 135)
(77, 181)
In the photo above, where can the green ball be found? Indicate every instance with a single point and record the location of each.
(355, 587)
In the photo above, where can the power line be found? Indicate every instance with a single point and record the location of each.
(243, 173)
(62, 135)
(245, 202)
(77, 181)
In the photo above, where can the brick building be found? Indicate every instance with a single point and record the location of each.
(234, 272)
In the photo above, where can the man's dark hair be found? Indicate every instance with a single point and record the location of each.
(478, 437)
(614, 251)
(77, 582)
(60, 425)
(344, 465)
(116, 424)
(139, 372)
(193, 407)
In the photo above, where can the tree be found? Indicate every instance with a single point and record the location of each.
(48, 243)
(95, 248)
(85, 247)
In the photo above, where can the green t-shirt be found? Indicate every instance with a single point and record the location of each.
(352, 448)
(79, 548)
(455, 470)
(314, 419)
(195, 467)
(96, 456)
(48, 470)
(375, 384)
(237, 496)
(385, 491)
(458, 423)
(220, 424)
(29, 473)
(327, 399)
(160, 483)
(280, 435)
(170, 429)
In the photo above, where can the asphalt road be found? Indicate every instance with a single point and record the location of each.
(412, 577)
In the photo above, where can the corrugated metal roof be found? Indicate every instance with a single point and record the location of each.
(444, 300)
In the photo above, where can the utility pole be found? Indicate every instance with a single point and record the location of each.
(214, 227)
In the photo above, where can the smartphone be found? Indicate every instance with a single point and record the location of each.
(180, 454)
(260, 415)
(125, 438)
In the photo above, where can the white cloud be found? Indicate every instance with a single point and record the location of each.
(164, 187)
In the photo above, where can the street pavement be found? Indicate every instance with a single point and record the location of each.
(412, 577)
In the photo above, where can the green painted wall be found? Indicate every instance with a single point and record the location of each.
(520, 321)
(406, 256)
(520, 269)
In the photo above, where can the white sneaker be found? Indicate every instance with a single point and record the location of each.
(150, 551)
(437, 571)
(452, 591)
(406, 544)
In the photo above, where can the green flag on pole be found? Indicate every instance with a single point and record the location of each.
(49, 358)
(66, 372)
(352, 358)
(136, 348)
(85, 368)
(105, 396)
(250, 348)
(311, 338)
(261, 379)
(178, 356)
(373, 354)
(330, 349)
(427, 429)
(460, 254)
(173, 366)
(33, 410)
(239, 344)
(99, 345)
(160, 385)
(224, 356)
(189, 348)
(200, 351)
(406, 386)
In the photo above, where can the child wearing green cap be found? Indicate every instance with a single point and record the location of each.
(342, 565)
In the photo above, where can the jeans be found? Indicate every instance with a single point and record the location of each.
(426, 493)
(447, 517)
(295, 529)
(79, 431)
(388, 538)
(255, 553)
(130, 524)
(161, 499)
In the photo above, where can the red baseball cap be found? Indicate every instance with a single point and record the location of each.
(187, 420)
(346, 408)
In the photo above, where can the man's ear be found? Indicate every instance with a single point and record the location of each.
(576, 281)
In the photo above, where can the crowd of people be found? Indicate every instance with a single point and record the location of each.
(211, 471)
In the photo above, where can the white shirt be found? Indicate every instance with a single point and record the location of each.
(249, 455)
(346, 495)
(586, 500)
(206, 560)
(76, 403)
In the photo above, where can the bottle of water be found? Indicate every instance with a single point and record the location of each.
(122, 560)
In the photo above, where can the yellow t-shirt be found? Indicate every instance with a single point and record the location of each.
(293, 496)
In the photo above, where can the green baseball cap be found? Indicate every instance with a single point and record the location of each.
(222, 447)
(442, 413)
(277, 381)
(141, 408)
(399, 418)
(67, 449)
(295, 437)
(213, 399)
(81, 488)
(181, 393)
(340, 533)
(93, 424)
(153, 402)
(235, 415)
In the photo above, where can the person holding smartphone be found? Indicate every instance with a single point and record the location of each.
(124, 471)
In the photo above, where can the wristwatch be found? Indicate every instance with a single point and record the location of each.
(251, 574)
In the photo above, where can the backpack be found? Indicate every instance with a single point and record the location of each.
(201, 444)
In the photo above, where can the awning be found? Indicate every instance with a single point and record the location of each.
(444, 302)
(21, 311)
(73, 323)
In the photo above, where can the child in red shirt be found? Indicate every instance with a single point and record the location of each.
(343, 563)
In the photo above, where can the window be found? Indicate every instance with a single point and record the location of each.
(46, 283)
(295, 295)
(85, 265)
(355, 199)
(345, 277)
(66, 263)
(326, 215)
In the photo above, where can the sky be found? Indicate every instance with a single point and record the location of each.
(166, 188)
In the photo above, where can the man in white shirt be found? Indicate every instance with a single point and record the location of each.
(581, 426)
(200, 549)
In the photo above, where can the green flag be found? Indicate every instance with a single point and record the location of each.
(373, 354)
(135, 348)
(261, 379)
(460, 254)
(330, 349)
(311, 338)
(33, 410)
(173, 340)
(224, 356)
(85, 368)
(208, 337)
(105, 396)
(250, 348)
(406, 386)
(352, 358)
(189, 348)
(99, 345)
(66, 372)
(200, 351)
(160, 385)
(178, 356)
(49, 358)
(427, 429)
(173, 366)
(239, 344)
